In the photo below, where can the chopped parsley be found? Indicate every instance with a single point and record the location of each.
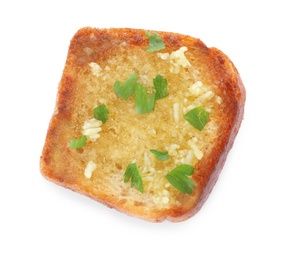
(161, 156)
(143, 103)
(132, 172)
(127, 89)
(78, 143)
(178, 177)
(197, 117)
(101, 113)
(160, 86)
(155, 42)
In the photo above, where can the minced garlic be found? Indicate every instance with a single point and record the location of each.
(91, 166)
(91, 128)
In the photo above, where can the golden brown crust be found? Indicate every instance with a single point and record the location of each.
(98, 45)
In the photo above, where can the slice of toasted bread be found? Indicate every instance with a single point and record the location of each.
(197, 76)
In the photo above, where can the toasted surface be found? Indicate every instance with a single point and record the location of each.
(201, 77)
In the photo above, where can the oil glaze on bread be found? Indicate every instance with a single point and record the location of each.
(197, 76)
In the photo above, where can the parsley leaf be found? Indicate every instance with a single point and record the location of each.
(143, 103)
(127, 89)
(155, 42)
(132, 172)
(197, 117)
(101, 113)
(75, 143)
(161, 156)
(178, 177)
(161, 86)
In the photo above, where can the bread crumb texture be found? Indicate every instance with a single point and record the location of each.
(97, 169)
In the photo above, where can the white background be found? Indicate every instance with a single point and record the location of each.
(243, 217)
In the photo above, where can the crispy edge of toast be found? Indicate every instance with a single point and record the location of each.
(173, 40)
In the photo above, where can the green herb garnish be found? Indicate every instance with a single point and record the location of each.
(178, 177)
(143, 103)
(161, 156)
(197, 117)
(161, 86)
(101, 113)
(155, 42)
(127, 89)
(132, 172)
(75, 143)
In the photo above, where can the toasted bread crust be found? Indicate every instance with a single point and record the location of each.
(98, 45)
